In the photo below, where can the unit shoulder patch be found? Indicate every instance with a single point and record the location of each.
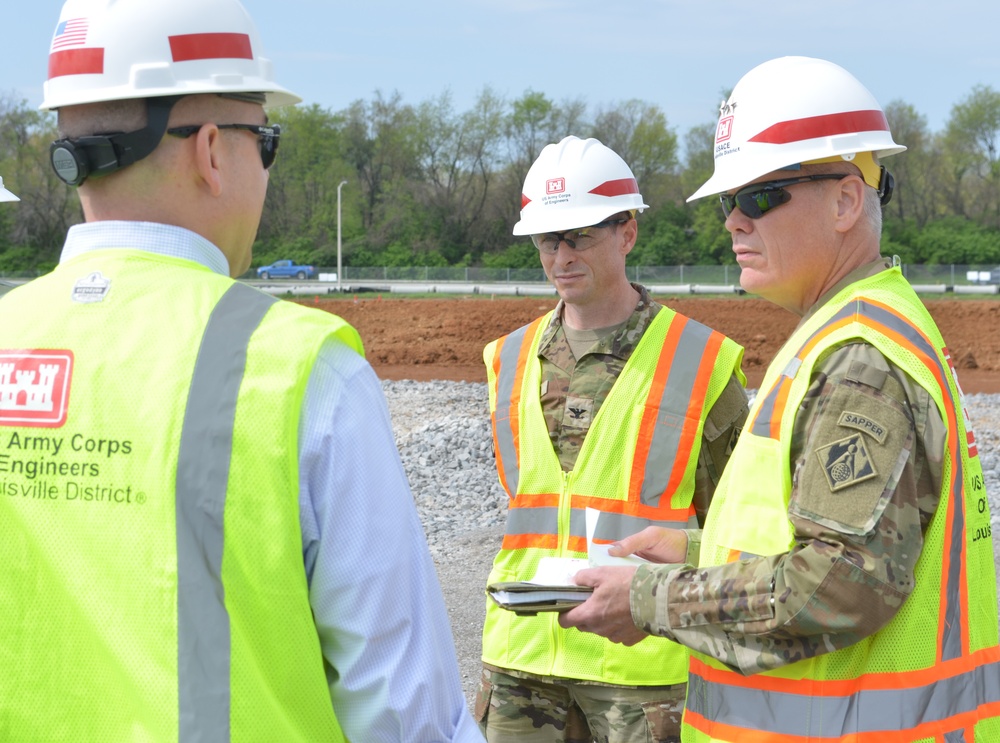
(846, 462)
(850, 463)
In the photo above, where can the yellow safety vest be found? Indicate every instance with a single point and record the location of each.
(152, 584)
(932, 673)
(636, 467)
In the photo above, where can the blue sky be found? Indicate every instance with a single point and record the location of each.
(677, 55)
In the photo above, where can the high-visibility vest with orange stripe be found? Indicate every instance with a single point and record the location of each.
(636, 467)
(152, 585)
(933, 672)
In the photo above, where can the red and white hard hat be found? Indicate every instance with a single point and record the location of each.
(6, 195)
(106, 50)
(575, 183)
(794, 110)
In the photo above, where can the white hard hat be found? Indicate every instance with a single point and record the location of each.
(575, 183)
(6, 195)
(794, 110)
(106, 50)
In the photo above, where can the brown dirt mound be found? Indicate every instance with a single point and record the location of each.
(425, 339)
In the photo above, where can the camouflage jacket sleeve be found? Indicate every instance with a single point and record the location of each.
(857, 535)
(722, 427)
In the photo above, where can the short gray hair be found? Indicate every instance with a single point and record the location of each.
(872, 204)
(106, 117)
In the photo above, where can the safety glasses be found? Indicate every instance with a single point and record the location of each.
(580, 239)
(267, 137)
(758, 199)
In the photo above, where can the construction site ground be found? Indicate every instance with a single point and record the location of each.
(443, 338)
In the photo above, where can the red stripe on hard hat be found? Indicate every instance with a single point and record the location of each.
(524, 201)
(822, 126)
(76, 62)
(191, 47)
(619, 187)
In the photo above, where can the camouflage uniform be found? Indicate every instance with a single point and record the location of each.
(527, 707)
(765, 612)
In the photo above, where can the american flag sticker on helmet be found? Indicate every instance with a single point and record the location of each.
(72, 32)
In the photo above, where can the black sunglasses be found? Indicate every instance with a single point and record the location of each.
(579, 239)
(758, 199)
(267, 137)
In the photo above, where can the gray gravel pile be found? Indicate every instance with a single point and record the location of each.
(443, 434)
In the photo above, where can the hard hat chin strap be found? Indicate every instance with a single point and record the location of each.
(74, 160)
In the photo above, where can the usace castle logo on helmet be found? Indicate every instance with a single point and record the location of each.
(727, 114)
(34, 387)
(555, 185)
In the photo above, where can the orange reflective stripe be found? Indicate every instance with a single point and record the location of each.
(780, 398)
(652, 408)
(542, 542)
(536, 500)
(577, 544)
(530, 541)
(629, 508)
(935, 728)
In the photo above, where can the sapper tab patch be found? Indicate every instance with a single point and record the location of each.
(846, 462)
(34, 387)
(864, 424)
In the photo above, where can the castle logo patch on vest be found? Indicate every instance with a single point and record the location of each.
(91, 288)
(863, 423)
(34, 387)
(846, 462)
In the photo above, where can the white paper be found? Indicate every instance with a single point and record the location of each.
(558, 571)
(597, 554)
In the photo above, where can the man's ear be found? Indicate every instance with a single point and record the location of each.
(850, 202)
(631, 234)
(209, 157)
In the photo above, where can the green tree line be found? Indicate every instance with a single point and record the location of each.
(429, 185)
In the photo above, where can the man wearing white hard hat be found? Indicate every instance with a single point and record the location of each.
(198, 480)
(845, 585)
(610, 403)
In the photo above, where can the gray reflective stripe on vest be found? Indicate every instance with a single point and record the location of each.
(203, 633)
(610, 526)
(542, 520)
(510, 351)
(830, 717)
(615, 526)
(676, 397)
